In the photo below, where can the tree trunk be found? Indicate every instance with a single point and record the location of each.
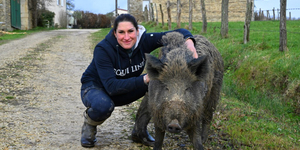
(178, 14)
(162, 16)
(204, 19)
(224, 19)
(283, 36)
(247, 21)
(169, 15)
(190, 14)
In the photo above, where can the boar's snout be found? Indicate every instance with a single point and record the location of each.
(174, 126)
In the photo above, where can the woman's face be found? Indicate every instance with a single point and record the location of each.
(126, 34)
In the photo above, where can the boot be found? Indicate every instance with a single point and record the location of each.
(139, 133)
(89, 130)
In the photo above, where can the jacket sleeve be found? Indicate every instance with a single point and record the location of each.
(154, 39)
(108, 78)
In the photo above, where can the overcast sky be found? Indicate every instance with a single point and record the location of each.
(106, 6)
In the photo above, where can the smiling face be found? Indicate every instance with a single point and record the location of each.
(126, 34)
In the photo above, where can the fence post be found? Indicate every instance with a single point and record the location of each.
(273, 13)
(169, 15)
(224, 19)
(204, 20)
(190, 14)
(283, 36)
(162, 15)
(156, 19)
(178, 14)
(247, 21)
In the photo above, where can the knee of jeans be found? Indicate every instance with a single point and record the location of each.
(102, 112)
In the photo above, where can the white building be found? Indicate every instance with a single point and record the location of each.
(120, 11)
(59, 7)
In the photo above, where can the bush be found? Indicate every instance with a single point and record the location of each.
(90, 20)
(44, 17)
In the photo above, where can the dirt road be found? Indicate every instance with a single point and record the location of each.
(40, 105)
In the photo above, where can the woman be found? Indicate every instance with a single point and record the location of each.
(114, 78)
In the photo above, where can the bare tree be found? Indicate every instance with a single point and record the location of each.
(283, 36)
(204, 19)
(247, 21)
(178, 14)
(190, 14)
(224, 19)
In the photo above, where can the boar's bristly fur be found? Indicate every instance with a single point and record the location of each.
(184, 91)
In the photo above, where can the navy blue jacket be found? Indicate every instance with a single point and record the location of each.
(117, 72)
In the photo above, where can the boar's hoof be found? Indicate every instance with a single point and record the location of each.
(142, 137)
(174, 126)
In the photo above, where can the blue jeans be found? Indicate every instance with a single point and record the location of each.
(100, 104)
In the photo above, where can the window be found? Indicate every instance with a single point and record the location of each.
(62, 2)
(58, 2)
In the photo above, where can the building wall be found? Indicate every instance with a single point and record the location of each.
(26, 16)
(135, 8)
(236, 8)
(60, 10)
(5, 15)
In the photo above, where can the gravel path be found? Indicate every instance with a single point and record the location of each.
(40, 105)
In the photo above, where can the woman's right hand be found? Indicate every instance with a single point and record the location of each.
(146, 79)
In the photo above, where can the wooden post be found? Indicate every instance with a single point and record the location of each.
(169, 15)
(156, 19)
(146, 15)
(162, 16)
(273, 13)
(224, 19)
(178, 14)
(247, 21)
(283, 36)
(268, 15)
(152, 12)
(204, 19)
(290, 15)
(190, 14)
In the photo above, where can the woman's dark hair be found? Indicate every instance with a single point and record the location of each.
(125, 17)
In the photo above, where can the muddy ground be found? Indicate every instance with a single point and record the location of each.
(40, 105)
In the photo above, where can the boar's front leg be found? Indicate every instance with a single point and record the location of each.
(159, 138)
(195, 136)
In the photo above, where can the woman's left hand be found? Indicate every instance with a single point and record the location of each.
(190, 45)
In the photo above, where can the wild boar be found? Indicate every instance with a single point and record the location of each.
(183, 91)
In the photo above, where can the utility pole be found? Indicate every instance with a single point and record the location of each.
(116, 8)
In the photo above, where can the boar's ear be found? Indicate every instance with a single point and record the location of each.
(199, 66)
(153, 66)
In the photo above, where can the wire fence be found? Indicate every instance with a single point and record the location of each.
(274, 14)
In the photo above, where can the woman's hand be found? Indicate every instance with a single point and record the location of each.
(146, 79)
(190, 45)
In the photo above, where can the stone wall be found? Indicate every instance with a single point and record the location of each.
(135, 8)
(5, 15)
(237, 10)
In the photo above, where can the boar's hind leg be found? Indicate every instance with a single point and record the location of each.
(211, 104)
(159, 138)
